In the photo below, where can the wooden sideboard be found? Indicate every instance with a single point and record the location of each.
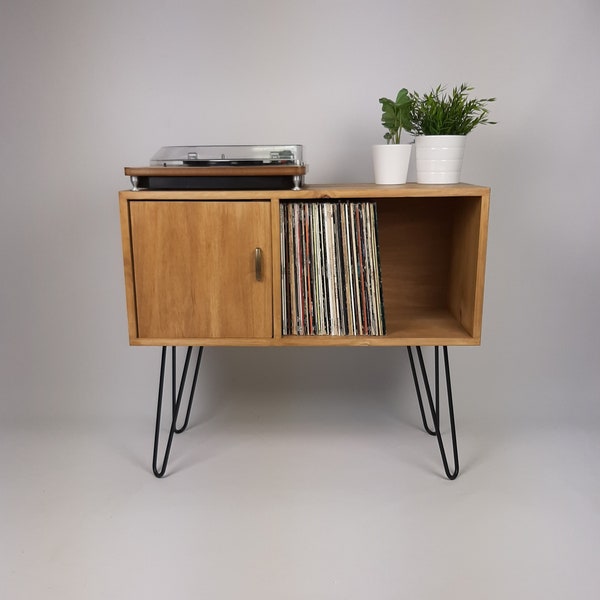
(204, 268)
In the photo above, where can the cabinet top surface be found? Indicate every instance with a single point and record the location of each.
(329, 190)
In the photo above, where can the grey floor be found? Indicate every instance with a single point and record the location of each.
(299, 495)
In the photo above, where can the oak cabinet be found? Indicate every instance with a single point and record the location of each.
(203, 267)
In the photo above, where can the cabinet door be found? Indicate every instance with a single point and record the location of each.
(202, 269)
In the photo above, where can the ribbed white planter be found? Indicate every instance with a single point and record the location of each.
(390, 163)
(439, 158)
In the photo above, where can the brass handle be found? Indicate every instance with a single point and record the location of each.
(258, 264)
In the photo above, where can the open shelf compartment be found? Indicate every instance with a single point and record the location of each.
(432, 256)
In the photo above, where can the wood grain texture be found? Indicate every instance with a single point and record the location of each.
(194, 269)
(190, 278)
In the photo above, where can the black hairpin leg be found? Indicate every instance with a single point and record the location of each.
(176, 398)
(435, 408)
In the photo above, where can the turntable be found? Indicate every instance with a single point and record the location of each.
(221, 167)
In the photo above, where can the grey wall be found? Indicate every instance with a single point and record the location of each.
(89, 87)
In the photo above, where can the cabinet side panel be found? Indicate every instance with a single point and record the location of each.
(468, 264)
(195, 269)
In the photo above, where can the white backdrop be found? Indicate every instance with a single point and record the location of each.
(90, 87)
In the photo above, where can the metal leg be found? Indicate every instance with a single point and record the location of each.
(428, 429)
(176, 398)
(193, 388)
(435, 408)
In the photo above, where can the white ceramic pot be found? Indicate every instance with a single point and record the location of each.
(390, 163)
(439, 158)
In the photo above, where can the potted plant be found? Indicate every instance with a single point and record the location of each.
(440, 122)
(390, 160)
